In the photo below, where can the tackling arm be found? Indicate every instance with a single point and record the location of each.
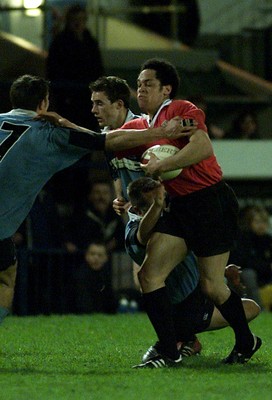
(124, 139)
(151, 217)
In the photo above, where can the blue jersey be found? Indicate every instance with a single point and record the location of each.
(181, 281)
(127, 168)
(31, 152)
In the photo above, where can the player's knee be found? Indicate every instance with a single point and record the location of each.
(143, 277)
(216, 292)
(252, 309)
(256, 310)
(207, 287)
(148, 280)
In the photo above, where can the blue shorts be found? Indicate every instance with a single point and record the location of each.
(206, 219)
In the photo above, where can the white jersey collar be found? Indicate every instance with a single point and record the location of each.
(132, 215)
(151, 122)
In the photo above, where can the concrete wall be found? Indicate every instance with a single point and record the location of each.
(245, 159)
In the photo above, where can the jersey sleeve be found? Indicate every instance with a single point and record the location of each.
(192, 112)
(71, 138)
(137, 123)
(110, 156)
(88, 140)
(187, 111)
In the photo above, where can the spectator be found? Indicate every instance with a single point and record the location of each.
(253, 252)
(244, 126)
(74, 60)
(95, 219)
(93, 289)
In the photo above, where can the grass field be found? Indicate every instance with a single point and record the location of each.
(90, 357)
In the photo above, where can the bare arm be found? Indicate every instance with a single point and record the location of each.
(199, 148)
(151, 217)
(120, 204)
(126, 139)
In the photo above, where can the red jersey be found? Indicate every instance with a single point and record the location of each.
(194, 177)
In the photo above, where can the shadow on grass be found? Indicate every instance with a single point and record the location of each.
(212, 363)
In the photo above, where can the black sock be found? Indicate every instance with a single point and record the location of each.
(233, 311)
(159, 311)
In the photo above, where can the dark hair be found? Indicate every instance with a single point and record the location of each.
(114, 87)
(71, 12)
(166, 73)
(136, 189)
(28, 91)
(96, 242)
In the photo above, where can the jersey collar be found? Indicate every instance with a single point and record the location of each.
(22, 111)
(154, 119)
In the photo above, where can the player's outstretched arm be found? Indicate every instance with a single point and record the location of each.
(127, 139)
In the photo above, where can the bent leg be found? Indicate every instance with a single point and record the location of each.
(163, 253)
(212, 277)
(228, 302)
(251, 308)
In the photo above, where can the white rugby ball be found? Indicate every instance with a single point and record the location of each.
(161, 152)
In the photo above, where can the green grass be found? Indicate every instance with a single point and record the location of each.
(90, 357)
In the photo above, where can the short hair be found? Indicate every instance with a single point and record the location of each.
(28, 91)
(114, 87)
(166, 73)
(136, 189)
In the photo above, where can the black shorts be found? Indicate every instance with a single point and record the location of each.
(205, 219)
(7, 254)
(193, 314)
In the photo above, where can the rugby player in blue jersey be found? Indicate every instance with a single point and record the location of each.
(33, 149)
(111, 101)
(192, 311)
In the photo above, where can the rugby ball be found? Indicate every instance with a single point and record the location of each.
(161, 152)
